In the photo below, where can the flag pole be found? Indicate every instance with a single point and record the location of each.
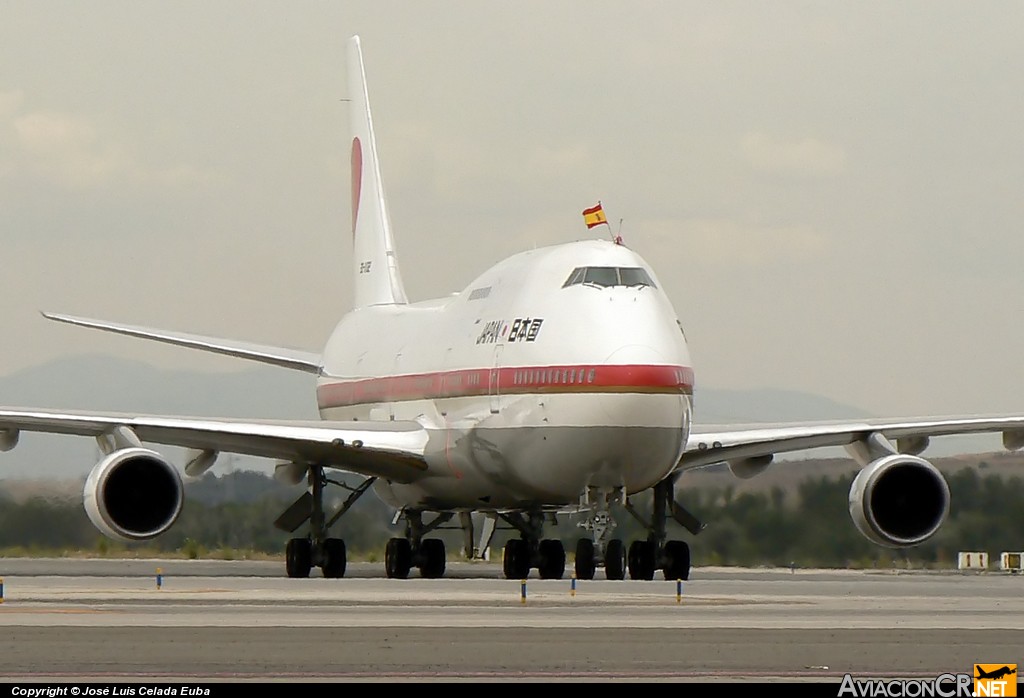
(610, 233)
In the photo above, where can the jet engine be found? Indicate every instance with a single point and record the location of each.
(133, 494)
(899, 500)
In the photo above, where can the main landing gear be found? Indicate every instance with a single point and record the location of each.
(317, 549)
(427, 554)
(530, 551)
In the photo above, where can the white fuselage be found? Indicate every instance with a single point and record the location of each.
(531, 390)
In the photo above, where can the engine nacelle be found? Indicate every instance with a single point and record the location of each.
(133, 494)
(899, 500)
(8, 439)
(746, 468)
(291, 473)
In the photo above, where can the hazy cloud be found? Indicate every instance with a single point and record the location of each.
(67, 150)
(64, 149)
(805, 157)
(10, 102)
(731, 244)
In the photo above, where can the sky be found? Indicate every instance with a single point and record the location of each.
(832, 194)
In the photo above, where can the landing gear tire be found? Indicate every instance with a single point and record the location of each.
(298, 556)
(641, 560)
(433, 563)
(677, 560)
(586, 565)
(398, 558)
(552, 559)
(335, 560)
(615, 559)
(515, 561)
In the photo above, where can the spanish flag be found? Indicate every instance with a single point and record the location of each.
(594, 216)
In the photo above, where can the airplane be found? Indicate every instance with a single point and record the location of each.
(996, 673)
(557, 383)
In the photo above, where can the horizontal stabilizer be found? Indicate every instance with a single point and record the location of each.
(277, 356)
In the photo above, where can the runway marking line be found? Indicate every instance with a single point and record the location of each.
(33, 610)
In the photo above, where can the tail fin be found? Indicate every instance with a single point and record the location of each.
(375, 267)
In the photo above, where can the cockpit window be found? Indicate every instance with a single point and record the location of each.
(576, 277)
(634, 276)
(609, 276)
(601, 276)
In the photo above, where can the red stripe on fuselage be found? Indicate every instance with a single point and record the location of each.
(508, 380)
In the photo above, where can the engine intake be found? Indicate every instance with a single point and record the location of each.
(899, 500)
(133, 494)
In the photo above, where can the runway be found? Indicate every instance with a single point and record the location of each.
(92, 620)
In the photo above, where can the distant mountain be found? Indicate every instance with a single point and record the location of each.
(106, 383)
(740, 406)
(113, 384)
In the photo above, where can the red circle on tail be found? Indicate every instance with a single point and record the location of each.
(357, 180)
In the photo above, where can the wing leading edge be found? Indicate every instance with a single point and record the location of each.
(710, 445)
(391, 450)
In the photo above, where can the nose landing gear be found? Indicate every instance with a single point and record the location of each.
(644, 557)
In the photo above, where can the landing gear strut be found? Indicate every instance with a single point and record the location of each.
(644, 557)
(600, 550)
(672, 557)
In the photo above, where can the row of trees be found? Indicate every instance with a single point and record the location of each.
(812, 526)
(234, 514)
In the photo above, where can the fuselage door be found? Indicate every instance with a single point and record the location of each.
(493, 385)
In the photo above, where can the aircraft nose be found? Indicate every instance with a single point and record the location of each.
(649, 413)
(639, 372)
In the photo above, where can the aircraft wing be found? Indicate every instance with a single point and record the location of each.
(390, 450)
(709, 445)
(296, 359)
